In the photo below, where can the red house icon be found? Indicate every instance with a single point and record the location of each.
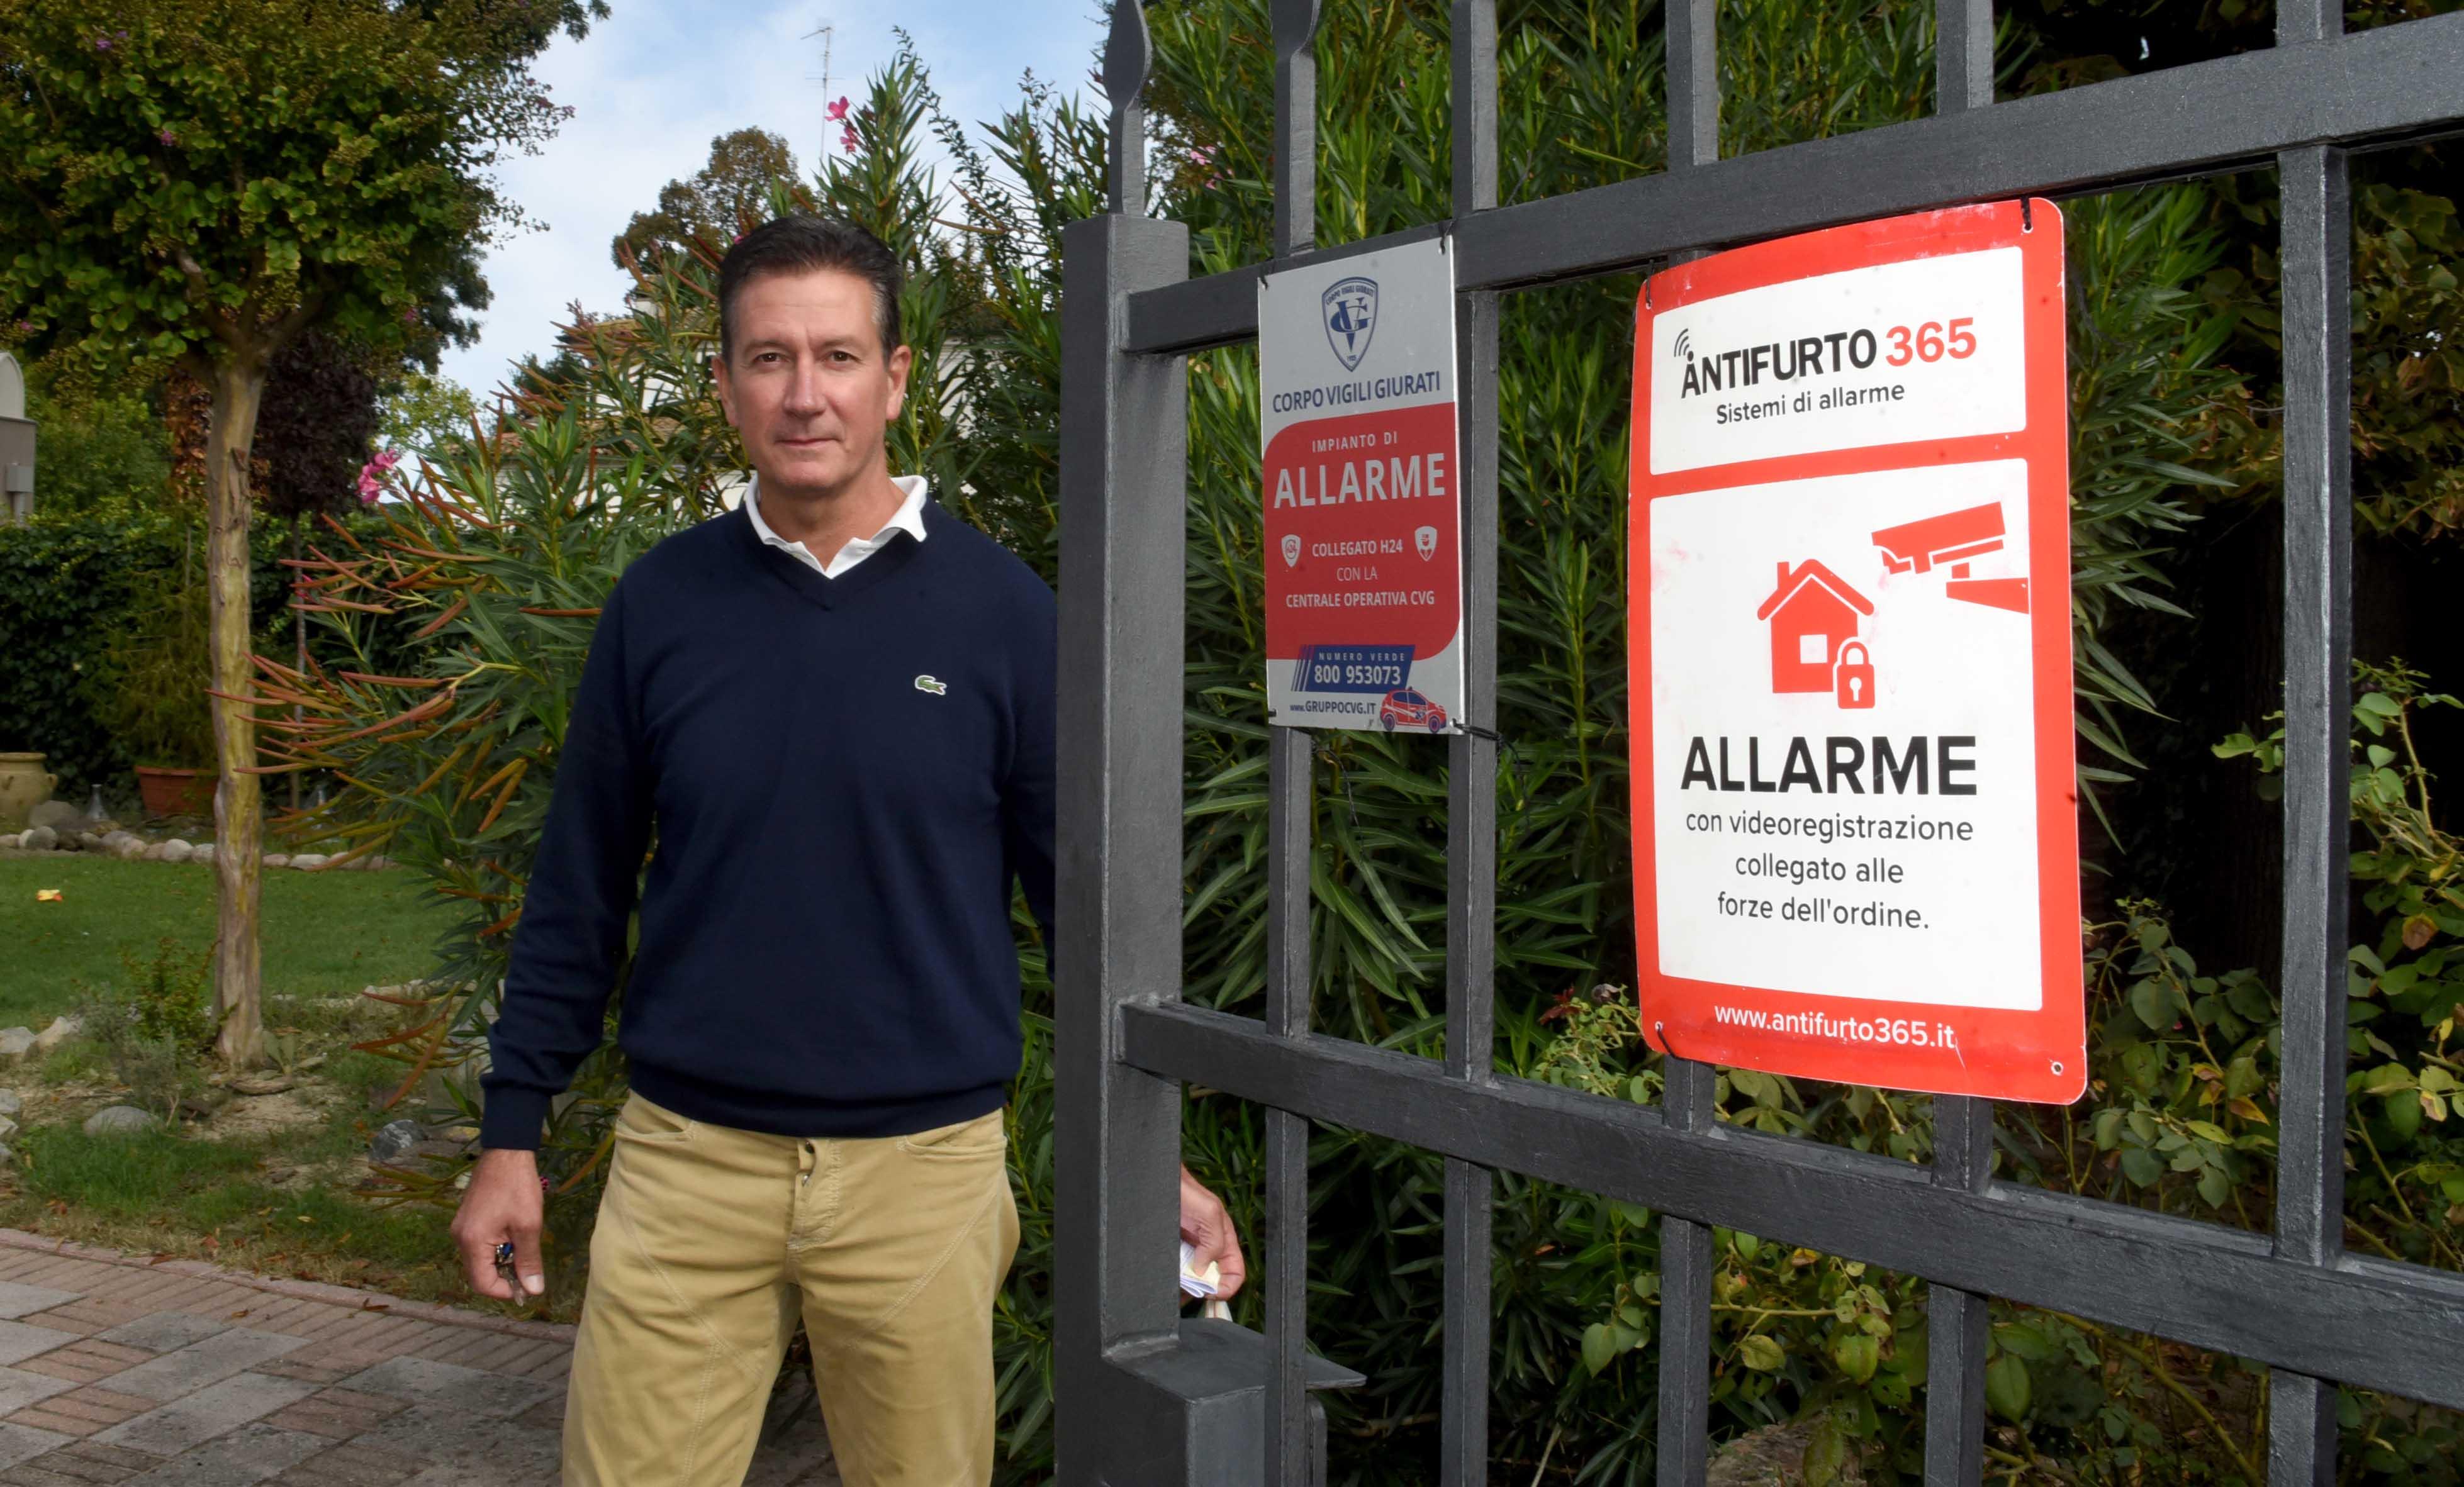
(1810, 611)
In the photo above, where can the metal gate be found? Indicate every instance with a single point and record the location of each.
(1145, 1399)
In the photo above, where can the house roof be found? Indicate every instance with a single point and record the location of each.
(1808, 572)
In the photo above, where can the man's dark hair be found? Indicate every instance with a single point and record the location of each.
(802, 244)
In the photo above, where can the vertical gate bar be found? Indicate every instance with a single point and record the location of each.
(1288, 845)
(1962, 55)
(1684, 1435)
(1287, 1015)
(1471, 805)
(1127, 52)
(1693, 82)
(1956, 1320)
(1117, 1131)
(1684, 1427)
(1295, 162)
(2317, 252)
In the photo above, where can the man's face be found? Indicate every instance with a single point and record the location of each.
(808, 386)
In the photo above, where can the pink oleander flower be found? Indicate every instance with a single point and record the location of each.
(372, 475)
(846, 140)
(837, 112)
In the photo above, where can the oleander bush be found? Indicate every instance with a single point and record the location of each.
(504, 549)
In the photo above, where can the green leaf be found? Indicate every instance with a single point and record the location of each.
(1599, 1347)
(2386, 1079)
(2023, 1340)
(2151, 1001)
(1857, 1355)
(2140, 1165)
(2106, 1129)
(1760, 1353)
(2007, 1387)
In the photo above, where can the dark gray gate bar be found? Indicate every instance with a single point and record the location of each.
(1144, 1399)
(2375, 1325)
(1688, 1095)
(1289, 847)
(2316, 254)
(1957, 1321)
(1471, 775)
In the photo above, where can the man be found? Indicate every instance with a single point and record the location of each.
(835, 705)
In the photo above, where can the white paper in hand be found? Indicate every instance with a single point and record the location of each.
(1197, 1283)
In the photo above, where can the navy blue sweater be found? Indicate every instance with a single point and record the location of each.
(844, 776)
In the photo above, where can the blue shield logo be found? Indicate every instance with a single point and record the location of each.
(1351, 311)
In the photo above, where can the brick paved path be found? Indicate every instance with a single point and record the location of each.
(114, 1370)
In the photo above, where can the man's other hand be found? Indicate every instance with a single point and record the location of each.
(504, 1206)
(1207, 1230)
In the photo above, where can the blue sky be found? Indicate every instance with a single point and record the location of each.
(655, 83)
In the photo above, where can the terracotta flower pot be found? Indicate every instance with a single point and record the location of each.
(176, 792)
(23, 785)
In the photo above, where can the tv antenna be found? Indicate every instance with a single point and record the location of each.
(829, 32)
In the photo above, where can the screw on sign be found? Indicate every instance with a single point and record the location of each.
(1854, 836)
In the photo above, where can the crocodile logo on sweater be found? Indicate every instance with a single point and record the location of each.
(933, 685)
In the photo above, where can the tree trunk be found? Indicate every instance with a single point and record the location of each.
(240, 828)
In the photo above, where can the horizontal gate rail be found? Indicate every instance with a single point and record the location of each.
(2385, 87)
(2373, 1323)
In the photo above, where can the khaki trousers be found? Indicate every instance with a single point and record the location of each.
(711, 1240)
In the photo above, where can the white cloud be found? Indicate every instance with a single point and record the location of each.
(654, 85)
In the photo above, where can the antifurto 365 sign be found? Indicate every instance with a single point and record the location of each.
(1856, 839)
(1363, 529)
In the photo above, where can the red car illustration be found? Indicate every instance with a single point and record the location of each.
(1405, 708)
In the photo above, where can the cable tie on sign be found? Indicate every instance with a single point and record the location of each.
(2027, 217)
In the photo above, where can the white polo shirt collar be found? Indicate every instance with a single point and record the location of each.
(908, 518)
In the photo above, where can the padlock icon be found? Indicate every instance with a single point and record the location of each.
(1853, 680)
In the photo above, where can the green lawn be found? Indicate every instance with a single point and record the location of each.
(324, 935)
(204, 1197)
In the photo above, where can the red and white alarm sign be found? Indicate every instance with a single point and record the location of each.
(1361, 491)
(1856, 832)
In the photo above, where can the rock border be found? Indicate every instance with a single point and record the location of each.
(129, 847)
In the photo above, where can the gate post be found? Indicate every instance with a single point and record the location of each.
(1142, 1398)
(1117, 1131)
